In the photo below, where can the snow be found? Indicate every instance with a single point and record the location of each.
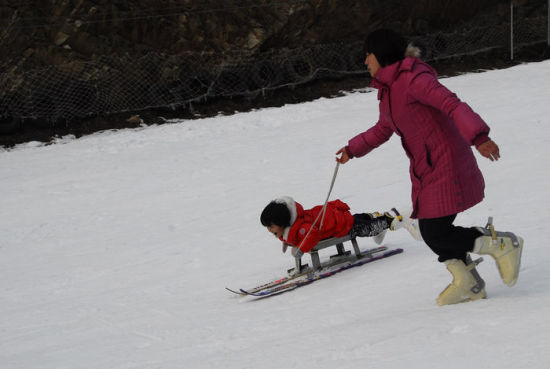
(115, 248)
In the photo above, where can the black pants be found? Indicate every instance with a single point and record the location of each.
(447, 240)
(365, 225)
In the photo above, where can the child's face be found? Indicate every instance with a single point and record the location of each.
(276, 230)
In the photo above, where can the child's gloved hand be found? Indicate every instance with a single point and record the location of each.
(296, 252)
(285, 246)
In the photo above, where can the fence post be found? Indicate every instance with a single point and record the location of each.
(512, 29)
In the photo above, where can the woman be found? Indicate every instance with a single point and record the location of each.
(436, 130)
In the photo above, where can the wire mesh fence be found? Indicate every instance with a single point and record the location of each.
(114, 84)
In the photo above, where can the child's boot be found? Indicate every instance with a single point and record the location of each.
(376, 223)
(467, 285)
(504, 247)
(403, 220)
(380, 236)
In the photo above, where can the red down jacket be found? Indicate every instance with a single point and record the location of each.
(337, 222)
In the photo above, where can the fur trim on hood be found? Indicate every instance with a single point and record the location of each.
(290, 204)
(413, 51)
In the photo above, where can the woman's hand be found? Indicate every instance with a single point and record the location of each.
(489, 149)
(344, 156)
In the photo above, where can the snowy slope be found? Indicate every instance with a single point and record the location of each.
(115, 248)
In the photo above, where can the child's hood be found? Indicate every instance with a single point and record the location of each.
(293, 207)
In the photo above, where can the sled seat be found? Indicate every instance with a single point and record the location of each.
(329, 242)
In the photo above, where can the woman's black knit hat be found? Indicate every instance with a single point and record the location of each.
(388, 46)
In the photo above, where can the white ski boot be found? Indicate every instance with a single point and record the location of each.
(380, 237)
(403, 220)
(467, 285)
(504, 247)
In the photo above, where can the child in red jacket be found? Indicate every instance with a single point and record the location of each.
(290, 223)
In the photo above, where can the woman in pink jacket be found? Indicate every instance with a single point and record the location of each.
(437, 131)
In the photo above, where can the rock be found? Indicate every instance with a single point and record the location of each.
(60, 38)
(28, 52)
(255, 37)
(134, 119)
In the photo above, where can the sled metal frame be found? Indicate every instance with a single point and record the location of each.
(341, 251)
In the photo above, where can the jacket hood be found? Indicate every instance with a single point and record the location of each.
(388, 74)
(293, 207)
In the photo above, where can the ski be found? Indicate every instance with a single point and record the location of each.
(329, 264)
(266, 285)
(292, 285)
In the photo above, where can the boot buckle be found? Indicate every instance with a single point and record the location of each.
(491, 229)
(476, 289)
(477, 261)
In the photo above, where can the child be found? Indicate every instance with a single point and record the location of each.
(290, 223)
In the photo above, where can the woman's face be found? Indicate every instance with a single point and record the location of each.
(372, 64)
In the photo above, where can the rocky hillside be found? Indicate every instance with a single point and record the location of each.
(46, 32)
(64, 61)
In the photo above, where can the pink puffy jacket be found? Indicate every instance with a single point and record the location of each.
(436, 131)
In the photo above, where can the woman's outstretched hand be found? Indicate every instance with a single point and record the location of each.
(344, 157)
(489, 149)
